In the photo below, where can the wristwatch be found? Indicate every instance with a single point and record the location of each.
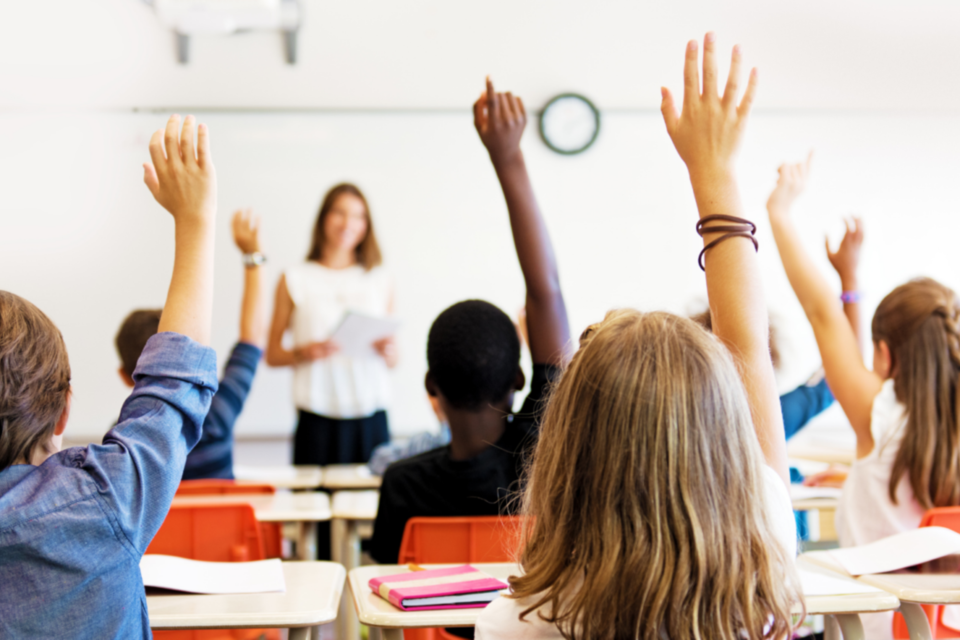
(253, 259)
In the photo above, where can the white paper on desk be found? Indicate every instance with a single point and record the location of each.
(803, 492)
(244, 472)
(819, 584)
(898, 552)
(194, 576)
(356, 333)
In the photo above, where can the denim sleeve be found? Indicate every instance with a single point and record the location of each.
(138, 466)
(228, 401)
(802, 405)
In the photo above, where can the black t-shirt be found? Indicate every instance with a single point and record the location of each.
(431, 484)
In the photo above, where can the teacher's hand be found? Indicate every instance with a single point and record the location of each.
(387, 348)
(315, 351)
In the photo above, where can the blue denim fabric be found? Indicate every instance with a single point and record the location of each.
(213, 455)
(802, 405)
(72, 530)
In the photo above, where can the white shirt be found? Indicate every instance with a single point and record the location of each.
(337, 386)
(865, 513)
(501, 618)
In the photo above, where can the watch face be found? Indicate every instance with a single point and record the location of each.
(569, 124)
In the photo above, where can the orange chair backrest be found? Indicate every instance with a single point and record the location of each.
(214, 533)
(216, 486)
(460, 539)
(948, 517)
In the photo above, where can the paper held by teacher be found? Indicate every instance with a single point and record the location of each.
(356, 334)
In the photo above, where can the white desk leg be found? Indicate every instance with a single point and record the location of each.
(375, 633)
(392, 634)
(338, 533)
(301, 633)
(831, 628)
(307, 541)
(850, 625)
(917, 621)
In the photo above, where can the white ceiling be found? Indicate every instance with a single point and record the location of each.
(386, 54)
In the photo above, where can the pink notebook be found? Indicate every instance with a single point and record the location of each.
(460, 587)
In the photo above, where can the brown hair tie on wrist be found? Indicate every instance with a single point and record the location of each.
(719, 217)
(740, 234)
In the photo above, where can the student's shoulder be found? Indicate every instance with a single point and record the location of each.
(426, 463)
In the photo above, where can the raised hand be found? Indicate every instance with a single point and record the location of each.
(846, 258)
(182, 177)
(791, 183)
(500, 119)
(246, 230)
(707, 132)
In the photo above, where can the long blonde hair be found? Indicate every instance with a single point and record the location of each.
(644, 496)
(920, 322)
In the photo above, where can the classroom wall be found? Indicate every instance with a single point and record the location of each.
(381, 98)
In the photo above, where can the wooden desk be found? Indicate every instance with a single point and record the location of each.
(305, 509)
(375, 612)
(912, 590)
(299, 477)
(339, 477)
(312, 599)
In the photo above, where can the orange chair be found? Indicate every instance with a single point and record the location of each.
(457, 539)
(270, 531)
(949, 518)
(214, 533)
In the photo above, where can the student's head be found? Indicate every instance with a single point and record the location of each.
(473, 355)
(132, 338)
(645, 498)
(34, 382)
(916, 336)
(344, 224)
(705, 320)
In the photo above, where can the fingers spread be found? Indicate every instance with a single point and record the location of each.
(669, 110)
(749, 94)
(150, 178)
(691, 75)
(171, 140)
(187, 149)
(709, 66)
(156, 151)
(733, 80)
(203, 146)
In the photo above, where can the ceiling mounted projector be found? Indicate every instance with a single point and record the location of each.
(210, 17)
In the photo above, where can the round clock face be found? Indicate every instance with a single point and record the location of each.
(569, 124)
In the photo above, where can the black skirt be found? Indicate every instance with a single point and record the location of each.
(322, 440)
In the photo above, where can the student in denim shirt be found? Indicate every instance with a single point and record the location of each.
(74, 524)
(212, 457)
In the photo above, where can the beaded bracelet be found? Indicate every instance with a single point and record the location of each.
(851, 297)
(741, 229)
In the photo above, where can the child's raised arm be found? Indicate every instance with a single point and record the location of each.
(500, 119)
(707, 134)
(253, 322)
(852, 384)
(183, 180)
(845, 261)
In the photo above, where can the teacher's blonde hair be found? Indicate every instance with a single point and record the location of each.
(645, 498)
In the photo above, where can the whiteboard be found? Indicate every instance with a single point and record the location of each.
(81, 237)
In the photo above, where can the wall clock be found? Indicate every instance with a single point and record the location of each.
(569, 124)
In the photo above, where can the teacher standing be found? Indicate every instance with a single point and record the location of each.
(341, 400)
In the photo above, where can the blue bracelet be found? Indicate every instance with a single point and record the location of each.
(851, 297)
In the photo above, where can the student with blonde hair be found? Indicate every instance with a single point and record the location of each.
(905, 411)
(75, 523)
(656, 500)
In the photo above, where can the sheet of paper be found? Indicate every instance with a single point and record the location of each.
(802, 492)
(357, 333)
(821, 584)
(194, 576)
(898, 552)
(244, 472)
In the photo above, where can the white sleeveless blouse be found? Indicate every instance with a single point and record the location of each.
(338, 386)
